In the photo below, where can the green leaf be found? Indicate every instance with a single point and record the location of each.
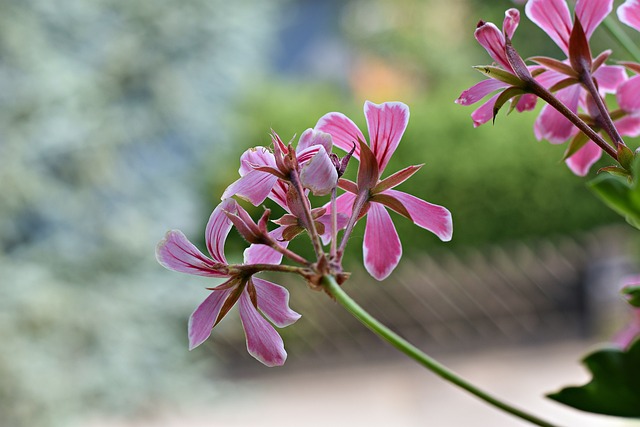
(625, 156)
(615, 385)
(621, 196)
(633, 294)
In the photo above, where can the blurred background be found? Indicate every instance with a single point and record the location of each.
(122, 119)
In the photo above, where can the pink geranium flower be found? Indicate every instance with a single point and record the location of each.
(554, 18)
(386, 124)
(258, 299)
(494, 41)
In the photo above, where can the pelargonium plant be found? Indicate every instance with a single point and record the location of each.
(575, 89)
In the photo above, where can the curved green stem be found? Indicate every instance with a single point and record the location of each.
(333, 289)
(623, 39)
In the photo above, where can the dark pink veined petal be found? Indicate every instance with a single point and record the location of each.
(550, 78)
(263, 254)
(434, 218)
(263, 342)
(273, 302)
(177, 253)
(314, 137)
(554, 18)
(218, 228)
(591, 13)
(386, 124)
(279, 194)
(204, 317)
(582, 160)
(527, 102)
(629, 13)
(553, 126)
(628, 95)
(256, 156)
(381, 249)
(511, 21)
(609, 77)
(255, 186)
(319, 174)
(492, 39)
(478, 91)
(629, 126)
(342, 130)
(484, 113)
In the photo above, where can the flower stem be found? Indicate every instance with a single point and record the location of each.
(334, 224)
(310, 223)
(623, 39)
(550, 99)
(358, 204)
(333, 289)
(607, 123)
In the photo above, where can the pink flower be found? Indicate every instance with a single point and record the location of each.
(386, 124)
(257, 298)
(494, 41)
(260, 168)
(554, 18)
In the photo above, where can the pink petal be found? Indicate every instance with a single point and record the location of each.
(629, 126)
(319, 174)
(314, 137)
(256, 156)
(511, 21)
(584, 158)
(492, 39)
(629, 13)
(326, 220)
(342, 130)
(631, 331)
(554, 18)
(204, 317)
(628, 95)
(550, 78)
(177, 253)
(591, 13)
(255, 186)
(484, 113)
(434, 218)
(273, 302)
(218, 228)
(344, 204)
(263, 342)
(478, 91)
(553, 126)
(609, 77)
(263, 254)
(386, 124)
(382, 249)
(527, 102)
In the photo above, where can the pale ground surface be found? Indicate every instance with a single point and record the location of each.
(399, 393)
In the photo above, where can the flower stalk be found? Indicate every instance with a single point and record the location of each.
(335, 291)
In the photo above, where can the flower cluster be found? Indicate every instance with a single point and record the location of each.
(573, 87)
(288, 176)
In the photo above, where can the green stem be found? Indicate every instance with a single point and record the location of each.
(332, 287)
(622, 38)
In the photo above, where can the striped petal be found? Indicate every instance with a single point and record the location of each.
(478, 91)
(263, 254)
(273, 302)
(255, 186)
(628, 95)
(218, 228)
(591, 13)
(434, 218)
(382, 249)
(554, 18)
(386, 124)
(343, 131)
(553, 126)
(263, 342)
(492, 39)
(177, 253)
(204, 317)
